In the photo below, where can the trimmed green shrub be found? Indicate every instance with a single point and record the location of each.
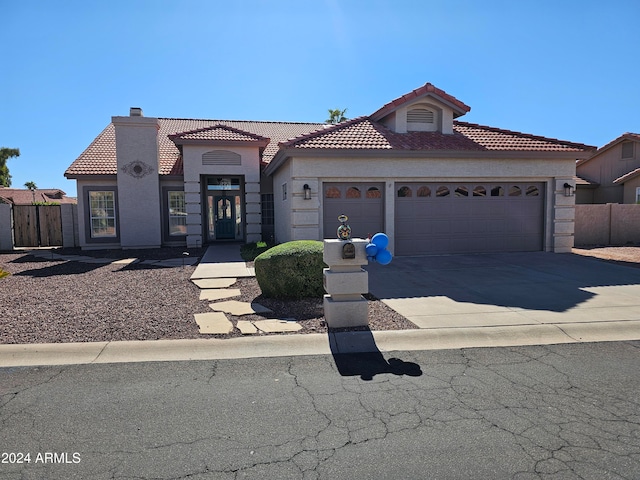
(291, 270)
(249, 251)
(4, 274)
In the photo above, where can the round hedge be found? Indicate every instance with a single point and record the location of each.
(291, 270)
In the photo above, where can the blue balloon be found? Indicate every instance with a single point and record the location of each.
(380, 240)
(384, 257)
(371, 249)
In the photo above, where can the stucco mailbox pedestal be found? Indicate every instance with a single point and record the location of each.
(345, 281)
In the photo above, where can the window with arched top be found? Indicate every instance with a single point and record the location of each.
(405, 192)
(424, 191)
(532, 191)
(497, 191)
(462, 191)
(374, 192)
(515, 191)
(479, 191)
(442, 191)
(353, 192)
(332, 192)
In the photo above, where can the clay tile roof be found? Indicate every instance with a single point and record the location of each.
(217, 133)
(99, 158)
(19, 196)
(426, 89)
(498, 139)
(363, 133)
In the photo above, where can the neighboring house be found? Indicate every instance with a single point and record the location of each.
(433, 184)
(612, 173)
(17, 196)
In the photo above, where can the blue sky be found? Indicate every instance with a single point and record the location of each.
(559, 68)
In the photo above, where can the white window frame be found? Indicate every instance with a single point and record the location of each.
(637, 194)
(177, 213)
(102, 209)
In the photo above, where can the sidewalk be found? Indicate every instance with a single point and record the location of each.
(314, 344)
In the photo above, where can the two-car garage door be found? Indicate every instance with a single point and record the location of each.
(439, 218)
(468, 217)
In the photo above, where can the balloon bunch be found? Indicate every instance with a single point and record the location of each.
(377, 249)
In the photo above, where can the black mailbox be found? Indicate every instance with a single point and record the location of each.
(348, 251)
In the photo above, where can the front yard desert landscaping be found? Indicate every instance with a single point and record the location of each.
(53, 301)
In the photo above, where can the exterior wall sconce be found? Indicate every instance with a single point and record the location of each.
(569, 190)
(307, 191)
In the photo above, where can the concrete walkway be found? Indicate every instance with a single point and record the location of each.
(219, 269)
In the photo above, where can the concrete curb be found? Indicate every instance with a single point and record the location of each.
(23, 355)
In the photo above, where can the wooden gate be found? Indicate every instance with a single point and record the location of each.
(37, 225)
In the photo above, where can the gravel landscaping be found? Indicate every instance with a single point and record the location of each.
(49, 301)
(53, 301)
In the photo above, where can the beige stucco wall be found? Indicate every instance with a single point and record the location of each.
(630, 188)
(302, 219)
(194, 170)
(138, 195)
(610, 224)
(604, 169)
(283, 207)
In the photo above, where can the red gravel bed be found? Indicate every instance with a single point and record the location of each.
(45, 301)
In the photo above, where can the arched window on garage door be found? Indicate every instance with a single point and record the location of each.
(405, 192)
(333, 192)
(353, 192)
(374, 192)
(424, 191)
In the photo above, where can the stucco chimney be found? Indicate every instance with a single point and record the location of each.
(135, 112)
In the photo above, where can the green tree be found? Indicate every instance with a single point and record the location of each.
(336, 116)
(6, 154)
(32, 186)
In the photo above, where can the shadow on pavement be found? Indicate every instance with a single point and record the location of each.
(356, 354)
(531, 280)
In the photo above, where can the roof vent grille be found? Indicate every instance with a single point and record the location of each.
(420, 115)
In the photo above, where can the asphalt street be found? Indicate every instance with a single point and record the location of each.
(533, 412)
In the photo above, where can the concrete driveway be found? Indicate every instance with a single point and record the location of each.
(510, 289)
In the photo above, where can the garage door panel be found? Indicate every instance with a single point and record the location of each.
(362, 202)
(491, 220)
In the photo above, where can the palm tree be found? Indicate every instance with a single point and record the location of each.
(336, 116)
(32, 186)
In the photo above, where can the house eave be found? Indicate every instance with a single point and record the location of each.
(222, 143)
(286, 153)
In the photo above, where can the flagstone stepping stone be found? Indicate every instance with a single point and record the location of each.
(214, 282)
(125, 261)
(213, 323)
(223, 270)
(234, 307)
(277, 326)
(246, 327)
(218, 293)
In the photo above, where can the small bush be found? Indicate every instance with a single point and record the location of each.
(291, 270)
(4, 274)
(250, 251)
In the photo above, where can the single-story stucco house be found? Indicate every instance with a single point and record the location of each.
(432, 183)
(612, 173)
